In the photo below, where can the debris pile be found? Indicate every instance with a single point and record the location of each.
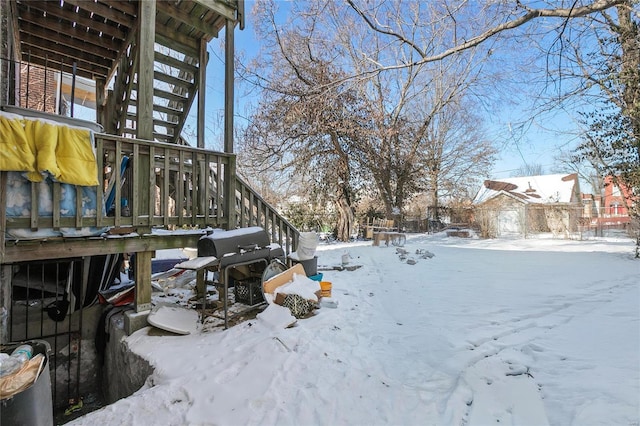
(404, 256)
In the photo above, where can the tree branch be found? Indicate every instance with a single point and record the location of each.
(530, 14)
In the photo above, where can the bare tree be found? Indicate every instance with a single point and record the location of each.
(412, 110)
(611, 142)
(610, 25)
(568, 162)
(470, 33)
(304, 123)
(381, 127)
(456, 155)
(371, 97)
(529, 169)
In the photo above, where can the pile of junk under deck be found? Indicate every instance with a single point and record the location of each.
(232, 274)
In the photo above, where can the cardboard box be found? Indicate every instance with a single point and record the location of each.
(282, 278)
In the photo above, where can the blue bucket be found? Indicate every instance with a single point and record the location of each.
(316, 277)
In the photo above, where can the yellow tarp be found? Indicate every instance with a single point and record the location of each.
(40, 148)
(17, 153)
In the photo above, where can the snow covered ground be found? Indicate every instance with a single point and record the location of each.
(523, 332)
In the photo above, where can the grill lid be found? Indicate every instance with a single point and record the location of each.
(221, 243)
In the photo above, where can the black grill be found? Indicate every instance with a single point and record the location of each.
(243, 256)
(238, 246)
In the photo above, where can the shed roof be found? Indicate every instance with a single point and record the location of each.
(542, 189)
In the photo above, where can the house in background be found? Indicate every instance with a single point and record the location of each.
(591, 205)
(612, 209)
(530, 204)
(614, 199)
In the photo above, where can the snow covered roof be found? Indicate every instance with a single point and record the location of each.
(543, 189)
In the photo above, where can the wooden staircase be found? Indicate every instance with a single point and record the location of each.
(176, 84)
(175, 75)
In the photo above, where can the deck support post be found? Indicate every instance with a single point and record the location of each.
(230, 169)
(5, 302)
(144, 108)
(146, 56)
(143, 280)
(202, 85)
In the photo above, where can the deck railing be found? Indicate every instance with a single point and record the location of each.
(169, 185)
(165, 186)
(253, 210)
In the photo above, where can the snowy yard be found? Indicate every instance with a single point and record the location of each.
(524, 332)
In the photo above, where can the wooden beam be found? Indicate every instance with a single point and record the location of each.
(219, 7)
(176, 63)
(168, 95)
(173, 81)
(101, 102)
(4, 51)
(163, 109)
(105, 11)
(143, 280)
(174, 40)
(181, 15)
(229, 47)
(6, 275)
(186, 105)
(71, 49)
(145, 53)
(192, 9)
(127, 68)
(51, 38)
(230, 193)
(25, 251)
(201, 83)
(240, 14)
(146, 49)
(33, 48)
(3, 208)
(124, 6)
(53, 9)
(66, 28)
(15, 29)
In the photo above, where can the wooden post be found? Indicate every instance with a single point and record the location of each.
(3, 211)
(143, 280)
(230, 168)
(4, 51)
(5, 302)
(146, 51)
(12, 77)
(144, 108)
(202, 85)
(101, 110)
(229, 47)
(230, 193)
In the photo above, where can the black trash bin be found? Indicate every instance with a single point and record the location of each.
(34, 405)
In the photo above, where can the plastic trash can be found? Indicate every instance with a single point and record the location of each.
(34, 405)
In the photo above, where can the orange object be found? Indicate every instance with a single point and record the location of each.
(325, 288)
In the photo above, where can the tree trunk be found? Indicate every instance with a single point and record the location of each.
(345, 220)
(344, 227)
(433, 209)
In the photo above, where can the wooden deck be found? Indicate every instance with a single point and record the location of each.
(147, 61)
(174, 194)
